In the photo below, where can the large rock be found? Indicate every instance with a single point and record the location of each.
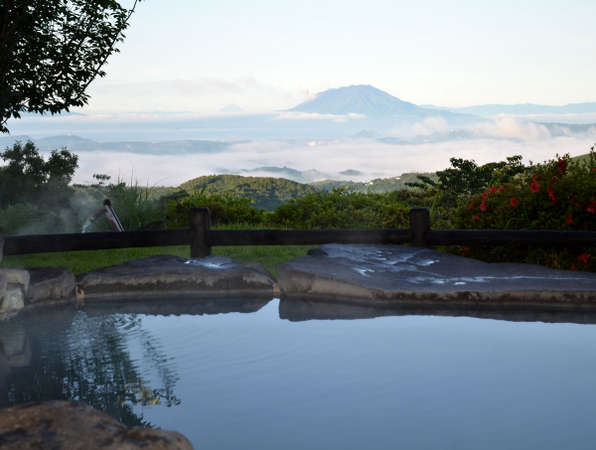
(14, 284)
(167, 276)
(391, 275)
(17, 277)
(72, 425)
(50, 284)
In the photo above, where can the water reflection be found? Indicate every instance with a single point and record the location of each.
(179, 305)
(86, 356)
(297, 310)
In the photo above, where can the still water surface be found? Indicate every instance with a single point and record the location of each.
(255, 381)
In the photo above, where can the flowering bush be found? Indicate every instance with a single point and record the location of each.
(557, 195)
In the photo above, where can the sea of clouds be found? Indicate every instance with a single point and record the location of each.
(373, 159)
(420, 147)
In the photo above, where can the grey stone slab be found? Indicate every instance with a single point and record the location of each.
(73, 425)
(50, 284)
(385, 275)
(166, 276)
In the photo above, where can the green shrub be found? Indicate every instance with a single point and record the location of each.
(341, 209)
(556, 195)
(225, 210)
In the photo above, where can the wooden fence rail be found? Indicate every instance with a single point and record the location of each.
(201, 238)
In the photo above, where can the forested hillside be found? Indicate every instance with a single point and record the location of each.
(267, 193)
(376, 186)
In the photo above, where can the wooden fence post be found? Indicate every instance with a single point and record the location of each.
(419, 225)
(200, 224)
(1, 244)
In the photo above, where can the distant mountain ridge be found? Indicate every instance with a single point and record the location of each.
(526, 109)
(78, 144)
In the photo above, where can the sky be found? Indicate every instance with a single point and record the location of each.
(263, 55)
(182, 61)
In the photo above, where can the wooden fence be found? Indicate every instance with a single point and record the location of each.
(201, 238)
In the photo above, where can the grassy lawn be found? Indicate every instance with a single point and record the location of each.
(271, 256)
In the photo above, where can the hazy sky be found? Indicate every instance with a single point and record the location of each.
(198, 55)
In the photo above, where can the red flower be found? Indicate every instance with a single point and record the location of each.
(501, 188)
(551, 194)
(584, 257)
(534, 177)
(591, 207)
(573, 267)
(476, 218)
(569, 219)
(534, 187)
(561, 165)
(482, 206)
(492, 190)
(471, 206)
(513, 201)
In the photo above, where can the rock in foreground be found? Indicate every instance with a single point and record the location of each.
(163, 275)
(72, 425)
(389, 275)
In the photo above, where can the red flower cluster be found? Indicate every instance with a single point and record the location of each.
(591, 207)
(561, 165)
(513, 201)
(584, 257)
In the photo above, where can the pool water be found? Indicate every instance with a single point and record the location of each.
(255, 381)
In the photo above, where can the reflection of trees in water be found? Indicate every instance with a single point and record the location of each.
(88, 359)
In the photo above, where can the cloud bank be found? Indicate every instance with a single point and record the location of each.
(372, 159)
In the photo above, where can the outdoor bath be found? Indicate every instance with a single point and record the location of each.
(240, 379)
(490, 356)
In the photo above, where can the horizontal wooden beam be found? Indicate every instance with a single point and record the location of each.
(45, 243)
(495, 237)
(18, 245)
(307, 237)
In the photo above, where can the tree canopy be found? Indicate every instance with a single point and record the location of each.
(50, 51)
(27, 176)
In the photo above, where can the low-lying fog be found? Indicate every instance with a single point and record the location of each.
(371, 158)
(421, 147)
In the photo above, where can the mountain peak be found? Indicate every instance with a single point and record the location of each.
(357, 99)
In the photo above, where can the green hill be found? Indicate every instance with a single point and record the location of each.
(265, 192)
(581, 158)
(376, 186)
